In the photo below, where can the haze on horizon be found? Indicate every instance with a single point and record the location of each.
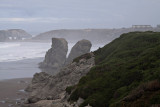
(37, 16)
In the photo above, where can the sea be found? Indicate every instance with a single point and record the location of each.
(20, 59)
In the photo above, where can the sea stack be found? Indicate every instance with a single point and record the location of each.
(56, 56)
(80, 48)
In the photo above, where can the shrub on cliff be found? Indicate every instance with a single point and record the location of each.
(121, 66)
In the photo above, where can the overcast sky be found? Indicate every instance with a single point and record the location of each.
(37, 16)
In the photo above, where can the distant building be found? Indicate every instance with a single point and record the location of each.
(141, 26)
(158, 26)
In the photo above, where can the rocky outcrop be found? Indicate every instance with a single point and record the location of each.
(47, 87)
(56, 56)
(80, 48)
(13, 35)
(38, 81)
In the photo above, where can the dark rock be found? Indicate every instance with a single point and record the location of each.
(80, 48)
(56, 56)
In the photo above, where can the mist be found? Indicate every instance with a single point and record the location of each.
(37, 16)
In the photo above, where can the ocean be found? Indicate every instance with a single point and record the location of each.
(20, 59)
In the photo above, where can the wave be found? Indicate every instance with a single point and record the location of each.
(28, 50)
(22, 50)
(8, 45)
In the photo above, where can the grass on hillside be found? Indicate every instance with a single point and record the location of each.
(126, 63)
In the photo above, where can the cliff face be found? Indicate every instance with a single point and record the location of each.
(46, 87)
(13, 35)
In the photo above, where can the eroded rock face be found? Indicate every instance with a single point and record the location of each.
(47, 87)
(56, 56)
(39, 81)
(80, 48)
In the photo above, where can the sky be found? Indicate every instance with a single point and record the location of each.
(37, 16)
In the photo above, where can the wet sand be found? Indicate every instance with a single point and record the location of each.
(12, 91)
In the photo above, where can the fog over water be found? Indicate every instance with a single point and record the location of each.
(20, 59)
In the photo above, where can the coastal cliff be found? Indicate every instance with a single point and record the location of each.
(47, 87)
(123, 73)
(96, 36)
(13, 35)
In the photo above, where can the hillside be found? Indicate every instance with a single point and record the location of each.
(94, 35)
(126, 73)
(13, 35)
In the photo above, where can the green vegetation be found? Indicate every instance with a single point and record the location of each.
(123, 68)
(69, 89)
(155, 99)
(86, 56)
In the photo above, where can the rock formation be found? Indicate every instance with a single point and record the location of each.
(46, 88)
(80, 48)
(56, 56)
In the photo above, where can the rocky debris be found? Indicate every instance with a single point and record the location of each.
(80, 48)
(47, 87)
(13, 102)
(51, 71)
(56, 56)
(55, 103)
(38, 82)
(13, 35)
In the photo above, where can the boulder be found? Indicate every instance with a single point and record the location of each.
(56, 56)
(80, 48)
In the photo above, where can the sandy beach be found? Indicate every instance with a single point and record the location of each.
(12, 91)
(14, 78)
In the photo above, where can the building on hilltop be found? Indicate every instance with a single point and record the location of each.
(158, 26)
(141, 26)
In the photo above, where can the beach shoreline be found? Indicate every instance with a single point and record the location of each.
(25, 68)
(12, 91)
(15, 76)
